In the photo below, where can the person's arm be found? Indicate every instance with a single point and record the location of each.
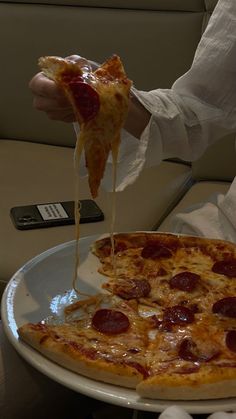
(138, 117)
(201, 105)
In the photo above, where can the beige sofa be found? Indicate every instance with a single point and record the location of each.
(156, 40)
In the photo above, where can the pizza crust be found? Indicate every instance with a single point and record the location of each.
(211, 382)
(208, 383)
(142, 238)
(72, 359)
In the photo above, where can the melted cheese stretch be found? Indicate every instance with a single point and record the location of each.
(113, 211)
(77, 158)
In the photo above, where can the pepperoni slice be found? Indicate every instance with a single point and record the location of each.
(86, 99)
(225, 267)
(178, 315)
(230, 340)
(155, 251)
(226, 307)
(189, 351)
(111, 322)
(133, 288)
(186, 350)
(120, 247)
(185, 281)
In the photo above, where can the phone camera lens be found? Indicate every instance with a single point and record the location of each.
(26, 219)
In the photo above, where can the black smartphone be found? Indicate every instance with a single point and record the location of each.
(54, 214)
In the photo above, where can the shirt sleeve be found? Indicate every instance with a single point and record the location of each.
(198, 109)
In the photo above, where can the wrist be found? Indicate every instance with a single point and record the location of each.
(138, 116)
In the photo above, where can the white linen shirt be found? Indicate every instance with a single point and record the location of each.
(198, 109)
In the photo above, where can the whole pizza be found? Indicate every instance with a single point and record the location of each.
(164, 322)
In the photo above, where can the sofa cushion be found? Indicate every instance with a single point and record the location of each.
(218, 162)
(210, 4)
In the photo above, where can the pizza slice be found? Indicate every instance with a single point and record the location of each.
(100, 100)
(101, 338)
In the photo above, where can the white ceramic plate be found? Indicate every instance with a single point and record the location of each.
(42, 288)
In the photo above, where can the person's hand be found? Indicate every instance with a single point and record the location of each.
(49, 98)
